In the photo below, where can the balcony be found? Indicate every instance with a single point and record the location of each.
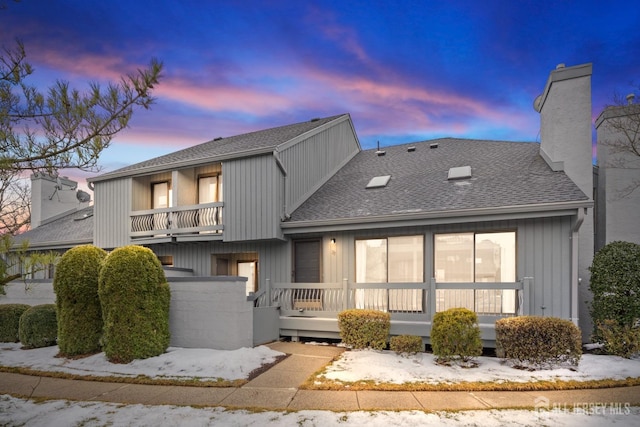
(193, 222)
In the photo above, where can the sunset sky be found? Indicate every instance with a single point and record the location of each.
(405, 70)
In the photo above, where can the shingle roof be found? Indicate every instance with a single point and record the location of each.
(228, 147)
(65, 231)
(503, 174)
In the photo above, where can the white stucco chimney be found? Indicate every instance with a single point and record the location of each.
(566, 145)
(52, 196)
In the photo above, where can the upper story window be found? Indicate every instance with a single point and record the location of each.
(475, 257)
(210, 189)
(161, 195)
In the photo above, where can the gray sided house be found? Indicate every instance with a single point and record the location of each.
(317, 225)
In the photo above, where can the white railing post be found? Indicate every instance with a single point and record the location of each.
(345, 294)
(527, 297)
(432, 298)
(268, 292)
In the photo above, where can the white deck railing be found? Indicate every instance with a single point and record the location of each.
(404, 301)
(193, 219)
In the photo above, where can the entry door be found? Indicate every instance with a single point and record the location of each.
(249, 270)
(306, 261)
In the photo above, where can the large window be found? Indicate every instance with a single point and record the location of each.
(476, 257)
(161, 195)
(209, 189)
(390, 260)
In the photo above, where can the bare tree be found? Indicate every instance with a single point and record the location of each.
(622, 126)
(15, 203)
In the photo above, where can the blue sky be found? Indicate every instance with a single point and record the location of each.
(405, 70)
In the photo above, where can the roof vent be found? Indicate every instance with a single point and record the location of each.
(217, 139)
(315, 119)
(630, 98)
(411, 149)
(434, 145)
(460, 172)
(379, 181)
(380, 152)
(559, 66)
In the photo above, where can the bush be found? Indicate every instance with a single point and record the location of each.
(406, 344)
(364, 328)
(38, 326)
(621, 340)
(615, 284)
(455, 334)
(79, 311)
(135, 298)
(10, 321)
(534, 341)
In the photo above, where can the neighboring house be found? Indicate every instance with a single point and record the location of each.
(317, 224)
(618, 174)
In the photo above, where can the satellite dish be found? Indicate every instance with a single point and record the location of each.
(83, 196)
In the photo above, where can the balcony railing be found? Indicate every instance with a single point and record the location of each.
(195, 219)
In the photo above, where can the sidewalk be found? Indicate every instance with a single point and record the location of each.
(277, 389)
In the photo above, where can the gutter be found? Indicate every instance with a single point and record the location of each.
(180, 164)
(446, 214)
(575, 280)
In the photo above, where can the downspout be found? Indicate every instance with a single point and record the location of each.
(575, 280)
(285, 214)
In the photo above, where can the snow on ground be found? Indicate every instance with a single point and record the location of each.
(176, 363)
(387, 367)
(380, 366)
(63, 413)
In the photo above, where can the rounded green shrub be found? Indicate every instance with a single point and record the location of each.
(406, 344)
(364, 328)
(615, 284)
(536, 341)
(79, 312)
(10, 321)
(135, 298)
(38, 326)
(621, 340)
(455, 335)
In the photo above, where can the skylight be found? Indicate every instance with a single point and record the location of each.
(379, 181)
(460, 172)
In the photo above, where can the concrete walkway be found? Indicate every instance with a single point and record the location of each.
(277, 389)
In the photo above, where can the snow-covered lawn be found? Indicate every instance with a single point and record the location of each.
(383, 367)
(353, 366)
(176, 363)
(387, 367)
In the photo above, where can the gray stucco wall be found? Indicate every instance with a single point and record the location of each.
(205, 312)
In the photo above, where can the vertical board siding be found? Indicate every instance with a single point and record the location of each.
(274, 258)
(252, 199)
(310, 163)
(112, 206)
(543, 251)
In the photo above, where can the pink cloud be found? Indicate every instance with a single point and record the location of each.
(224, 97)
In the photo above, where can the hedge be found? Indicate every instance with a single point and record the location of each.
(10, 321)
(539, 342)
(364, 328)
(38, 326)
(135, 298)
(455, 335)
(79, 312)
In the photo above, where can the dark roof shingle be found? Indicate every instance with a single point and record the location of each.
(228, 147)
(503, 174)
